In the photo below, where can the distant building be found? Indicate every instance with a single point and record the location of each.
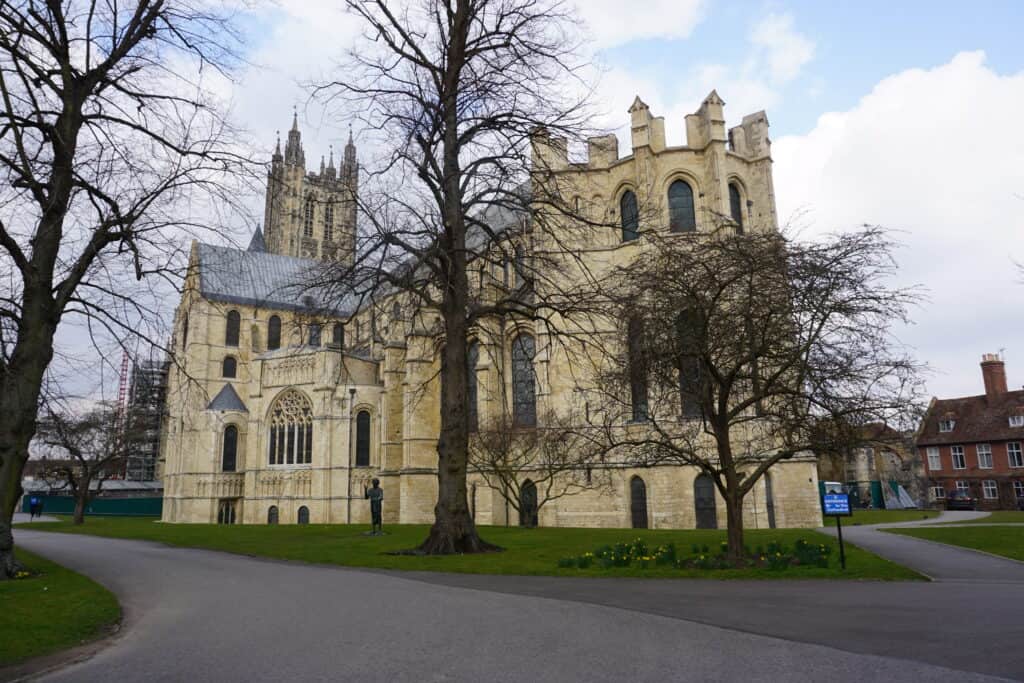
(974, 443)
(873, 470)
(146, 402)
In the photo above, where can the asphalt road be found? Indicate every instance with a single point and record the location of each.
(199, 616)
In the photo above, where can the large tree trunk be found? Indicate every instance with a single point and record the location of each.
(81, 500)
(734, 519)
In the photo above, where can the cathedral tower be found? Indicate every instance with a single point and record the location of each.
(311, 215)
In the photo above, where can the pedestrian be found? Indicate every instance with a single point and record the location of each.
(33, 507)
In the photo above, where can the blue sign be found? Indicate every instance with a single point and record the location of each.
(836, 505)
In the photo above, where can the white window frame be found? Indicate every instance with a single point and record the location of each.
(1016, 420)
(934, 458)
(984, 450)
(947, 425)
(1014, 454)
(939, 492)
(1018, 489)
(963, 485)
(989, 486)
(963, 458)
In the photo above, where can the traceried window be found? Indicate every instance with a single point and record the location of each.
(231, 330)
(681, 213)
(273, 333)
(959, 461)
(984, 456)
(291, 430)
(524, 385)
(329, 221)
(472, 358)
(934, 459)
(229, 369)
(307, 224)
(363, 439)
(1014, 454)
(688, 334)
(229, 452)
(736, 207)
(630, 216)
(990, 490)
(637, 369)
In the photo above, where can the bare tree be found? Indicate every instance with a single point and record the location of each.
(112, 152)
(740, 347)
(460, 95)
(84, 449)
(532, 467)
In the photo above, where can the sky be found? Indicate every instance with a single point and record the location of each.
(901, 114)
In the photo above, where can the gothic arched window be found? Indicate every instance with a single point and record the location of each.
(396, 311)
(272, 515)
(338, 336)
(229, 369)
(736, 207)
(229, 452)
(688, 336)
(681, 215)
(291, 430)
(273, 333)
(329, 221)
(524, 385)
(630, 216)
(303, 515)
(472, 357)
(307, 224)
(637, 369)
(363, 439)
(314, 334)
(231, 331)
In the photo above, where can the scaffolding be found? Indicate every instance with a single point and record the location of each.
(146, 402)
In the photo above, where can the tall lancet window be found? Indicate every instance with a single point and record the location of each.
(291, 430)
(329, 221)
(307, 225)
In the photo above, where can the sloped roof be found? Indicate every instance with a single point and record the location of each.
(227, 399)
(977, 419)
(255, 278)
(257, 243)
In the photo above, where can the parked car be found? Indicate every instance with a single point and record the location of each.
(961, 500)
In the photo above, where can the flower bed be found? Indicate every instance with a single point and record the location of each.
(774, 555)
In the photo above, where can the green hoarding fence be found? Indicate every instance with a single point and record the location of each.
(151, 506)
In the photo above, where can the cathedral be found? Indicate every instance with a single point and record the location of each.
(283, 405)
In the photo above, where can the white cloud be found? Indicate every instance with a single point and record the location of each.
(934, 154)
(781, 47)
(611, 23)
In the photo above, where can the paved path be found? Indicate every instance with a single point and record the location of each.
(200, 615)
(939, 561)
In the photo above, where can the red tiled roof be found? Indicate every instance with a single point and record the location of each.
(978, 419)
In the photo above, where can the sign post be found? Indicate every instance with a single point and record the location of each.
(838, 505)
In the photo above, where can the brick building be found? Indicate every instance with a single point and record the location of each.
(975, 443)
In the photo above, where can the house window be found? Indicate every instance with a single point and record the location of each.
(1015, 456)
(229, 453)
(291, 430)
(959, 461)
(314, 335)
(273, 333)
(984, 456)
(524, 385)
(938, 492)
(681, 215)
(946, 425)
(229, 368)
(233, 326)
(736, 207)
(964, 486)
(329, 222)
(1018, 489)
(934, 460)
(307, 225)
(630, 216)
(990, 490)
(472, 358)
(363, 439)
(1017, 420)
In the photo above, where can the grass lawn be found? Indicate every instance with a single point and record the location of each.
(999, 540)
(51, 610)
(885, 516)
(997, 517)
(527, 551)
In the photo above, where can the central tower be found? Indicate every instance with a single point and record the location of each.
(311, 215)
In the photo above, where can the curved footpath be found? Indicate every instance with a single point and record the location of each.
(201, 615)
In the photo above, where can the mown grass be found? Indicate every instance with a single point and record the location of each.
(863, 517)
(997, 517)
(1007, 541)
(53, 609)
(527, 551)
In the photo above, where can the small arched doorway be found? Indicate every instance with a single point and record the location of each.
(272, 515)
(769, 498)
(704, 502)
(638, 502)
(528, 504)
(303, 515)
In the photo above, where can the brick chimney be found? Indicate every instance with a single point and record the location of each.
(993, 372)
